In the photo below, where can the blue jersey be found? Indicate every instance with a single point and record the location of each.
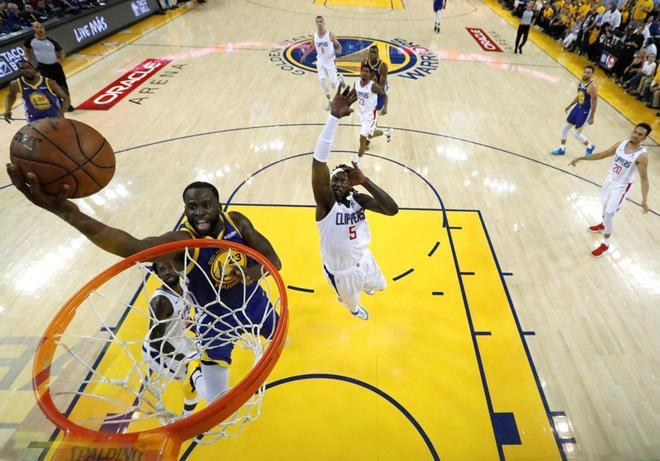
(208, 266)
(583, 97)
(40, 100)
(225, 304)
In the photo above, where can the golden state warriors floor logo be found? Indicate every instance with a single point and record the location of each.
(403, 58)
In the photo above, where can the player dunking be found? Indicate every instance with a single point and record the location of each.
(327, 47)
(584, 111)
(167, 348)
(366, 91)
(204, 219)
(348, 263)
(630, 157)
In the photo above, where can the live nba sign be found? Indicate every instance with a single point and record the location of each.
(122, 87)
(484, 41)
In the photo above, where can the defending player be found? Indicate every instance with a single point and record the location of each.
(327, 48)
(348, 264)
(630, 157)
(367, 90)
(379, 72)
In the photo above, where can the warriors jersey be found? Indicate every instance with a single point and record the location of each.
(624, 166)
(177, 324)
(375, 69)
(345, 235)
(583, 97)
(40, 101)
(207, 275)
(325, 49)
(367, 99)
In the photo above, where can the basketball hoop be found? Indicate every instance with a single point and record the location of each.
(145, 427)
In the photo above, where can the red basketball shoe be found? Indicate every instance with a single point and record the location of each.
(597, 229)
(598, 252)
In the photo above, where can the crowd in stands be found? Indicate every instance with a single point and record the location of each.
(617, 35)
(19, 15)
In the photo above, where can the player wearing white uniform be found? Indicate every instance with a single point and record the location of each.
(340, 216)
(367, 92)
(327, 47)
(167, 349)
(630, 157)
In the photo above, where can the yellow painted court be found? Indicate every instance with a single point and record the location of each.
(498, 336)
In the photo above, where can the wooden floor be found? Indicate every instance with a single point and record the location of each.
(531, 336)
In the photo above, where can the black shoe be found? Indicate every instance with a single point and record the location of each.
(71, 109)
(520, 50)
(515, 51)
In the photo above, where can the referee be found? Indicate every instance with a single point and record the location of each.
(48, 54)
(523, 28)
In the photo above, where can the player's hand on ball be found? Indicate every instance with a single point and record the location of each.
(355, 176)
(341, 104)
(29, 186)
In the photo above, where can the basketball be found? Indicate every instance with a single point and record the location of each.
(63, 151)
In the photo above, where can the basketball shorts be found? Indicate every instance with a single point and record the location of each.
(349, 283)
(612, 195)
(218, 327)
(327, 70)
(577, 116)
(367, 124)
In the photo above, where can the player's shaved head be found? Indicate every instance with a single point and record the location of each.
(202, 185)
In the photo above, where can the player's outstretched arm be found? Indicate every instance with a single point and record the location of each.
(323, 195)
(598, 156)
(112, 240)
(379, 200)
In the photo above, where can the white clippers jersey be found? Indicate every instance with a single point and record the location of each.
(624, 166)
(325, 49)
(367, 99)
(345, 235)
(175, 331)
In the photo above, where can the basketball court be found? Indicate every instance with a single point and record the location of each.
(498, 336)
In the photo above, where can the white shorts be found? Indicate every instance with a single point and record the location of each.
(367, 124)
(350, 283)
(613, 195)
(327, 70)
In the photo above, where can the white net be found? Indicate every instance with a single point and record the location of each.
(135, 359)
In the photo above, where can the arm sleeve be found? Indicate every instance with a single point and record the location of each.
(324, 143)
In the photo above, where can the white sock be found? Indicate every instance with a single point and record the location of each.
(563, 147)
(606, 241)
(213, 382)
(590, 146)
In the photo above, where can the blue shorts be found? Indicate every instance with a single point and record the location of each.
(380, 102)
(577, 116)
(218, 346)
(437, 5)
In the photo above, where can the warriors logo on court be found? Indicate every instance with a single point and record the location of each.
(403, 58)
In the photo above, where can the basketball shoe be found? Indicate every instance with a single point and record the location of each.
(598, 252)
(388, 134)
(360, 312)
(597, 229)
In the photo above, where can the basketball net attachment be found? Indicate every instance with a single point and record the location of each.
(124, 368)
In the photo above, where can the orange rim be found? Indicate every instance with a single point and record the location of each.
(190, 426)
